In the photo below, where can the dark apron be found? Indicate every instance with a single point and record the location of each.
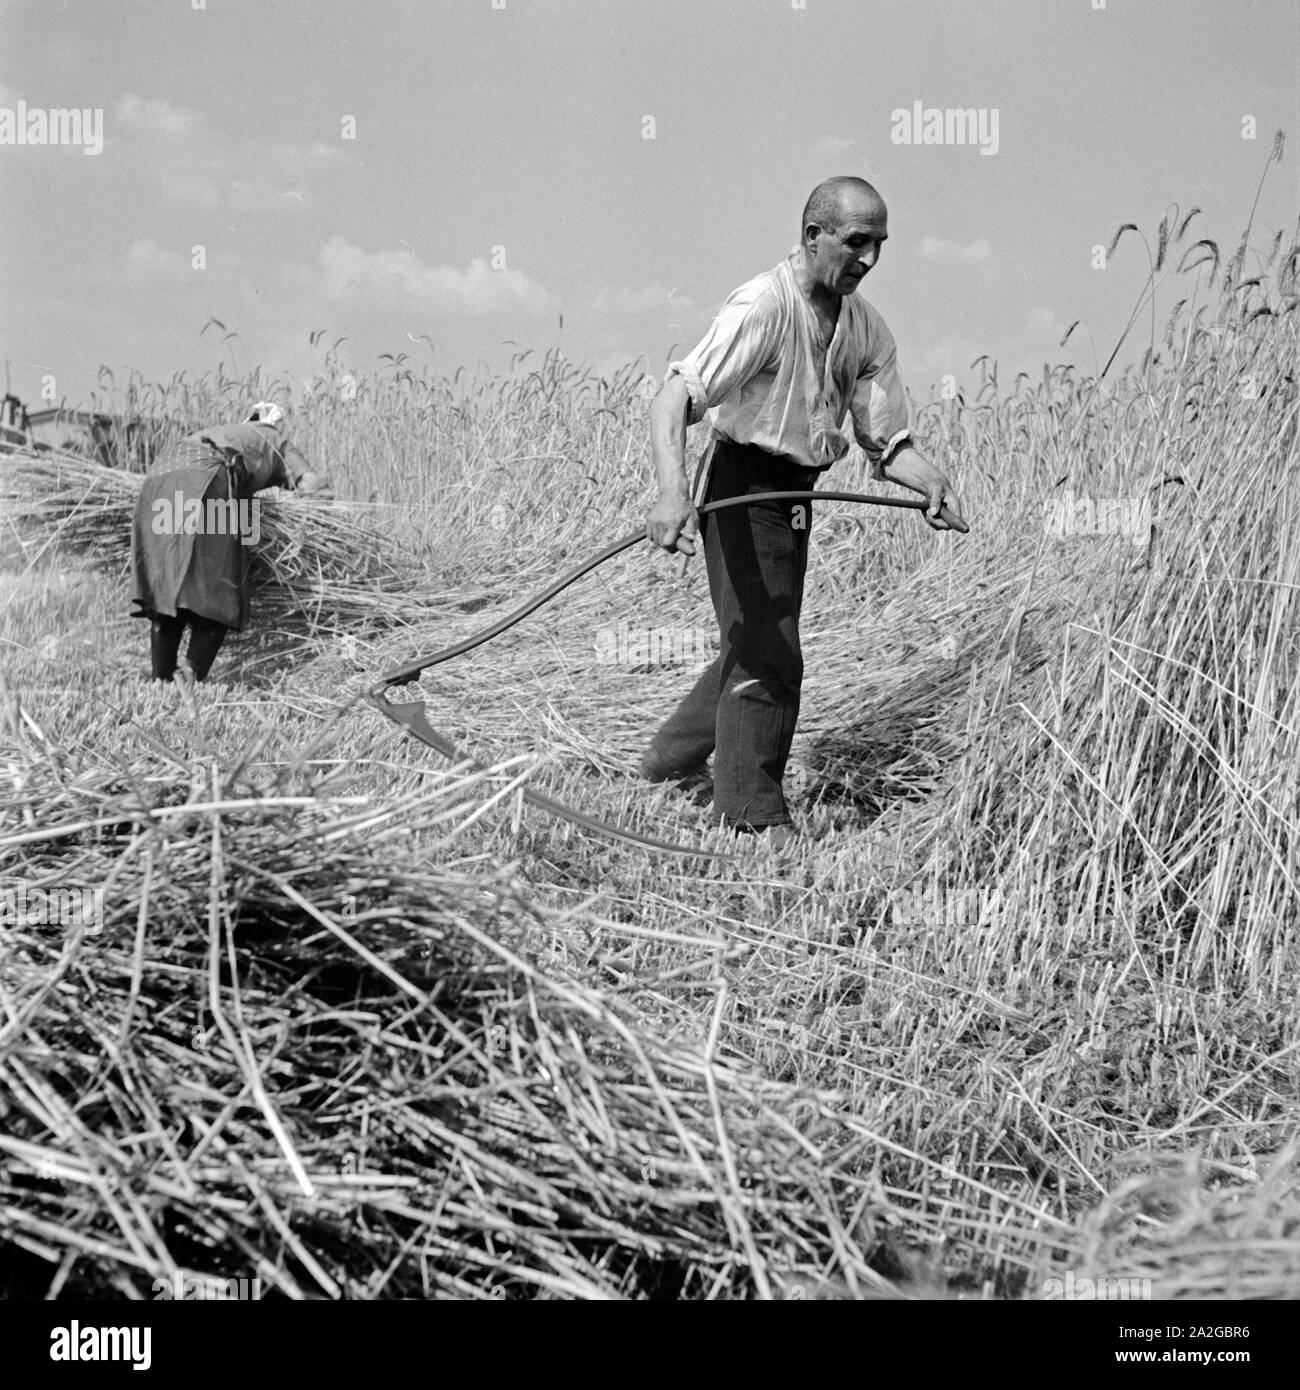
(205, 570)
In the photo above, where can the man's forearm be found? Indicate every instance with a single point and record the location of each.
(668, 417)
(910, 468)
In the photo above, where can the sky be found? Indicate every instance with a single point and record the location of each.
(463, 179)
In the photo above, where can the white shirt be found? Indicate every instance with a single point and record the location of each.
(760, 376)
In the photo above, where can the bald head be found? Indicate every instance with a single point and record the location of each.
(835, 200)
(845, 225)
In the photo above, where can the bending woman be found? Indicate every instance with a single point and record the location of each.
(194, 528)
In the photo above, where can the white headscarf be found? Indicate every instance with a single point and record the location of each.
(266, 413)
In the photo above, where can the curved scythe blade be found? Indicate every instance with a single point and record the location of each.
(413, 716)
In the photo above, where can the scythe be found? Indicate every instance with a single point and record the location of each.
(413, 715)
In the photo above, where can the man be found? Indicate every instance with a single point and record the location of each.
(788, 353)
(190, 564)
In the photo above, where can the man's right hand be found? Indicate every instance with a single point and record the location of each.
(673, 523)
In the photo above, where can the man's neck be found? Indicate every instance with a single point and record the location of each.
(824, 300)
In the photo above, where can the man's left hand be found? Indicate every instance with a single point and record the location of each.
(941, 497)
(912, 469)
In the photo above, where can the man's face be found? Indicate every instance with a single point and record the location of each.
(841, 257)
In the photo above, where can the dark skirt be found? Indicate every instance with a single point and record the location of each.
(184, 554)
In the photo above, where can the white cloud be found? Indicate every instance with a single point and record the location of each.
(147, 264)
(655, 296)
(977, 253)
(141, 117)
(401, 279)
(195, 163)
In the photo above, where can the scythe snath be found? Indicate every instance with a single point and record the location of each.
(413, 716)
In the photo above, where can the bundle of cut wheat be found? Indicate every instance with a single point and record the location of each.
(288, 1051)
(316, 565)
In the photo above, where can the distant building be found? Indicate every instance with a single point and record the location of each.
(116, 441)
(14, 430)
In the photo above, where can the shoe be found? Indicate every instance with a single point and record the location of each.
(777, 837)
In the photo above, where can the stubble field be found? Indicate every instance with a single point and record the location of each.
(1018, 1013)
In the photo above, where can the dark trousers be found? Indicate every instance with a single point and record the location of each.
(743, 709)
(165, 633)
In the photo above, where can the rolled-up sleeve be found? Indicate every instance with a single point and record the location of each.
(879, 403)
(742, 340)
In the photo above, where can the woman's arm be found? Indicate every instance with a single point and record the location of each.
(304, 477)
